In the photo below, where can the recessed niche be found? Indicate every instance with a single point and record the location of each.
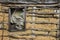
(17, 19)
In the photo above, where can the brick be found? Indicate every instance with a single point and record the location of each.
(5, 38)
(29, 7)
(6, 26)
(21, 32)
(0, 32)
(0, 38)
(42, 26)
(6, 33)
(53, 33)
(28, 18)
(5, 8)
(1, 19)
(6, 14)
(45, 26)
(40, 32)
(44, 38)
(18, 37)
(44, 10)
(51, 20)
(28, 25)
(1, 14)
(5, 19)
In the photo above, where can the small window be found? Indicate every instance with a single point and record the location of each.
(17, 19)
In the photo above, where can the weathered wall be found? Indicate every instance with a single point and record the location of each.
(47, 29)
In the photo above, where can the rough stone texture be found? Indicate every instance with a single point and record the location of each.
(0, 32)
(5, 38)
(44, 38)
(46, 28)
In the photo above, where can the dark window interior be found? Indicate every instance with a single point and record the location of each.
(17, 18)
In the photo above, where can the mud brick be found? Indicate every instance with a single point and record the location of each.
(6, 26)
(46, 11)
(21, 32)
(6, 14)
(1, 14)
(53, 33)
(29, 7)
(5, 38)
(52, 38)
(56, 15)
(5, 19)
(40, 32)
(21, 38)
(18, 37)
(28, 18)
(42, 26)
(27, 32)
(5, 8)
(45, 38)
(6, 33)
(29, 11)
(27, 14)
(42, 19)
(0, 38)
(28, 25)
(55, 21)
(0, 32)
(1, 19)
(45, 26)
(49, 20)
